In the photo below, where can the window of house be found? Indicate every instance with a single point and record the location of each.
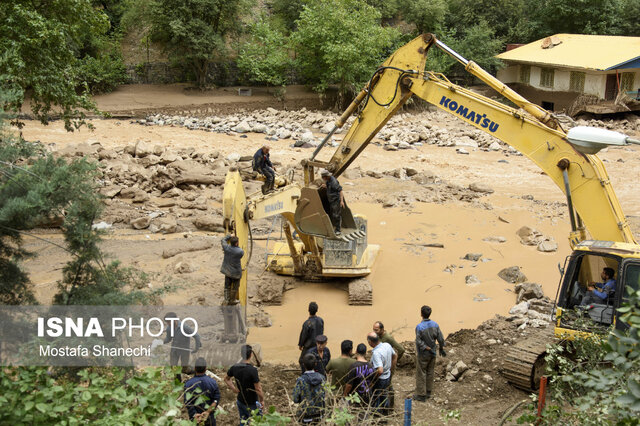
(525, 73)
(576, 82)
(546, 77)
(626, 81)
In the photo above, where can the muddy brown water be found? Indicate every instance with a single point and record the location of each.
(407, 276)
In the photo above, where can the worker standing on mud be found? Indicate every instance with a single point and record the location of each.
(312, 328)
(322, 354)
(427, 333)
(309, 393)
(335, 197)
(339, 367)
(247, 385)
(201, 395)
(383, 361)
(262, 163)
(386, 337)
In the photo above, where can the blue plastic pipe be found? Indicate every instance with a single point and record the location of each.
(407, 411)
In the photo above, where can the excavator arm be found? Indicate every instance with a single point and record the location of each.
(531, 130)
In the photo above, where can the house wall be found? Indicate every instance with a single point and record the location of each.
(594, 84)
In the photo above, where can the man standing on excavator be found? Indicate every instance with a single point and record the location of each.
(335, 197)
(262, 163)
(232, 270)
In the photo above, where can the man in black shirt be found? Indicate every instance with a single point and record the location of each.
(312, 328)
(247, 385)
(335, 197)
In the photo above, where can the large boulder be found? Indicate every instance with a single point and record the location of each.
(513, 275)
(527, 291)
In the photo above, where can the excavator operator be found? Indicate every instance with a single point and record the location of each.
(335, 197)
(600, 292)
(262, 163)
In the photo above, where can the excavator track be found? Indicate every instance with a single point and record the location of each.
(524, 362)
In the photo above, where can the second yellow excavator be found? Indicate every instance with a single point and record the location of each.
(600, 235)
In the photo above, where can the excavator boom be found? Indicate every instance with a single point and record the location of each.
(531, 130)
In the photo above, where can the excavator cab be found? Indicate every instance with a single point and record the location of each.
(585, 266)
(312, 215)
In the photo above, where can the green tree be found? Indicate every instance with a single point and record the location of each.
(288, 11)
(427, 15)
(576, 17)
(37, 189)
(507, 18)
(264, 57)
(40, 45)
(388, 8)
(194, 31)
(340, 42)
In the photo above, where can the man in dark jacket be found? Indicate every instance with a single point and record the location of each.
(180, 336)
(427, 333)
(312, 328)
(232, 270)
(262, 163)
(309, 393)
(335, 198)
(322, 354)
(203, 386)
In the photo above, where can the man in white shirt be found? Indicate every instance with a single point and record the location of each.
(383, 360)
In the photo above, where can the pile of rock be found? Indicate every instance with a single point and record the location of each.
(403, 131)
(532, 237)
(455, 371)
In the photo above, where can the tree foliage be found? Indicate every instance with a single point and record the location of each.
(37, 189)
(194, 31)
(427, 15)
(341, 42)
(44, 58)
(264, 57)
(97, 396)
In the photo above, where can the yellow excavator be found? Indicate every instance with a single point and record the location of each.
(600, 234)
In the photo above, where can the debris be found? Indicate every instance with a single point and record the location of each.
(141, 222)
(547, 246)
(473, 256)
(471, 280)
(190, 246)
(481, 187)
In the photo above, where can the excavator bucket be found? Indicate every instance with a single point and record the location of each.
(312, 216)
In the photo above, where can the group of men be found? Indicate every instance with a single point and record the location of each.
(352, 374)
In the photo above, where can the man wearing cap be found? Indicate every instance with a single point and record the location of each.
(335, 197)
(262, 163)
(322, 354)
